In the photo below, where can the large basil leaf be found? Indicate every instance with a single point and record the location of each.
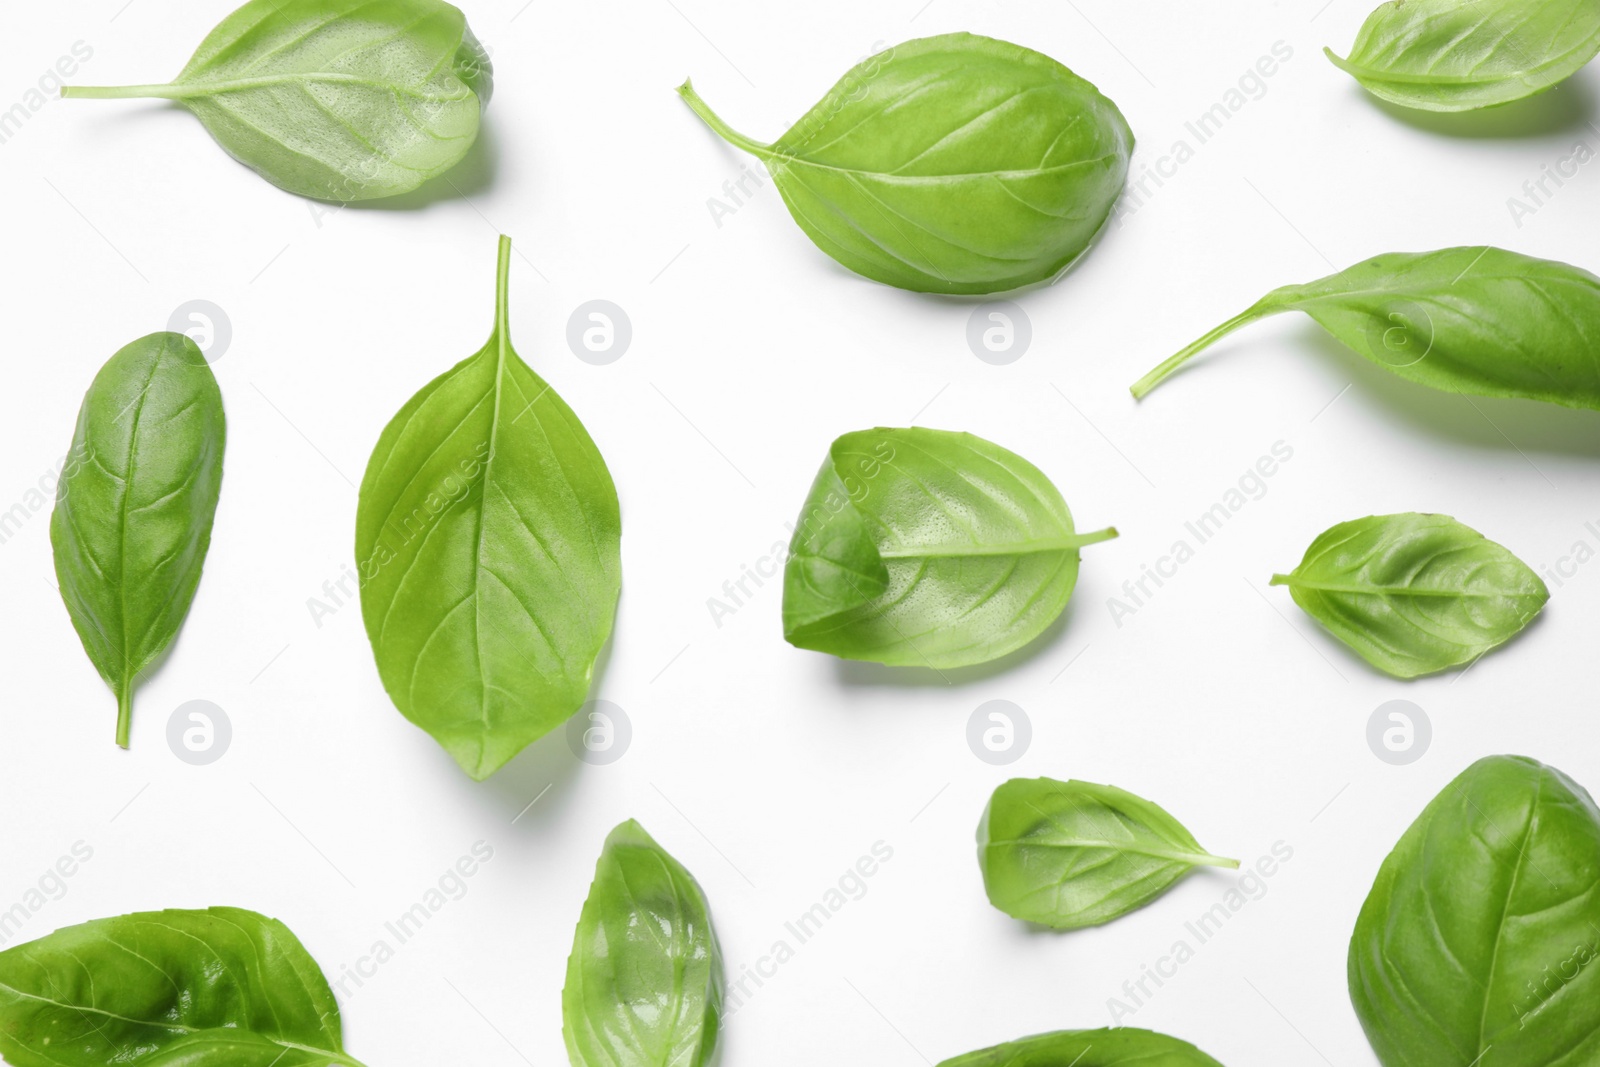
(1075, 854)
(644, 982)
(1478, 942)
(134, 506)
(488, 539)
(928, 548)
(335, 99)
(953, 164)
(1476, 320)
(1119, 1047)
(217, 988)
(1450, 55)
(1413, 594)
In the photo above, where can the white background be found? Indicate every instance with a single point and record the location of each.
(768, 771)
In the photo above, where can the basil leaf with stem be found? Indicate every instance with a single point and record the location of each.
(645, 980)
(222, 987)
(335, 99)
(135, 504)
(1075, 854)
(951, 164)
(1446, 55)
(1122, 1046)
(1479, 320)
(926, 548)
(1413, 594)
(488, 541)
(1478, 941)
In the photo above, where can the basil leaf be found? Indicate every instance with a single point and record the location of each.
(644, 982)
(134, 506)
(928, 548)
(222, 987)
(1119, 1047)
(1446, 55)
(335, 99)
(1479, 320)
(488, 539)
(1413, 594)
(952, 164)
(1076, 854)
(1478, 939)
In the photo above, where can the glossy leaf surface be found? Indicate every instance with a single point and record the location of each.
(488, 538)
(1119, 1047)
(952, 164)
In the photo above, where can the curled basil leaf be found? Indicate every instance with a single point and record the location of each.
(1446, 55)
(1076, 854)
(1119, 1047)
(952, 164)
(335, 99)
(488, 540)
(927, 548)
(222, 987)
(1413, 594)
(1479, 939)
(644, 982)
(1478, 320)
(135, 504)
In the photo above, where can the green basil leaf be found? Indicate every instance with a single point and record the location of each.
(1479, 939)
(1413, 594)
(953, 164)
(134, 506)
(1076, 854)
(1119, 1047)
(1446, 55)
(335, 99)
(644, 982)
(1479, 320)
(222, 987)
(926, 548)
(488, 539)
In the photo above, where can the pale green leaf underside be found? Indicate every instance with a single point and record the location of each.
(1075, 854)
(929, 549)
(488, 535)
(1413, 594)
(1449, 55)
(1119, 1047)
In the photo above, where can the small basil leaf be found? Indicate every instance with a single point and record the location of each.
(488, 538)
(1075, 854)
(953, 164)
(1119, 1047)
(1478, 941)
(134, 506)
(335, 99)
(1446, 55)
(222, 987)
(1478, 320)
(644, 982)
(1413, 594)
(927, 548)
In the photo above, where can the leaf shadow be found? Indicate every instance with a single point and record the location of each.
(473, 175)
(865, 674)
(1567, 107)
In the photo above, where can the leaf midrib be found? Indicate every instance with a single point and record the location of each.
(1020, 548)
(1388, 590)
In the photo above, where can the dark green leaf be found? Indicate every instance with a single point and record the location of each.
(953, 164)
(335, 99)
(134, 506)
(1414, 594)
(644, 982)
(488, 538)
(1120, 1047)
(926, 548)
(1450, 55)
(1075, 854)
(1478, 942)
(217, 988)
(1482, 321)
